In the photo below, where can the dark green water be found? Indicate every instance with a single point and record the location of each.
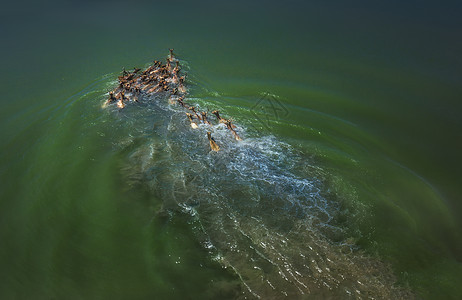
(369, 100)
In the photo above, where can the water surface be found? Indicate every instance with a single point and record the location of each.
(363, 152)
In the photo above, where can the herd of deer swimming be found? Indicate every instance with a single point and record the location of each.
(159, 78)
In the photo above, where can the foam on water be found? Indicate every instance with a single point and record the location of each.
(275, 228)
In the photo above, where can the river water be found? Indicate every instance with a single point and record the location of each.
(346, 183)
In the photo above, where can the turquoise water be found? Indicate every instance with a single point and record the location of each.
(367, 123)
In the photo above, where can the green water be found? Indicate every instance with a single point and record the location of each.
(369, 97)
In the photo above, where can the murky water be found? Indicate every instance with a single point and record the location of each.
(279, 232)
(346, 183)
